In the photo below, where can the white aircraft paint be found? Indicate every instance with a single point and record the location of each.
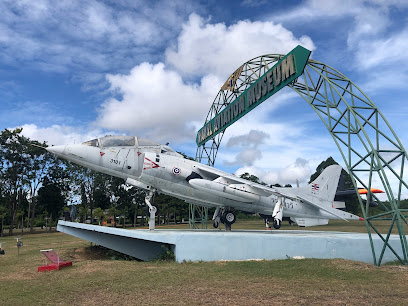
(156, 167)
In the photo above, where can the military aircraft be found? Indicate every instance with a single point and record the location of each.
(158, 168)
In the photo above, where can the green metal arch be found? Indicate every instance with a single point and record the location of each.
(371, 150)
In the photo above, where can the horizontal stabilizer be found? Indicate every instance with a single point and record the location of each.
(332, 211)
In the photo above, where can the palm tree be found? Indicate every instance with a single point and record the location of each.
(98, 213)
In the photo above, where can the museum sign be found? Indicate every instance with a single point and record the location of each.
(281, 74)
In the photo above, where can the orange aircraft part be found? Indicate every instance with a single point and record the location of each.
(373, 190)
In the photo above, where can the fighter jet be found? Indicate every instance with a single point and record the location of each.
(158, 168)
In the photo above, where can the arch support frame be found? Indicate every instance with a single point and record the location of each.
(372, 153)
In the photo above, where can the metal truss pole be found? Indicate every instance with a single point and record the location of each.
(371, 150)
(198, 216)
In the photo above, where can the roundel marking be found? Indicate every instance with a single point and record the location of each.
(176, 171)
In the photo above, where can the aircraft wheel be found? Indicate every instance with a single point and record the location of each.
(215, 224)
(230, 217)
(276, 224)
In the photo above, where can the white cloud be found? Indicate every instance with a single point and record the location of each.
(156, 103)
(93, 36)
(252, 139)
(366, 23)
(298, 170)
(370, 17)
(246, 157)
(384, 51)
(249, 144)
(203, 47)
(60, 134)
(318, 9)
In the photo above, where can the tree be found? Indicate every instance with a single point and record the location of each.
(51, 199)
(112, 212)
(43, 165)
(23, 168)
(3, 215)
(252, 178)
(83, 213)
(20, 216)
(168, 207)
(15, 165)
(92, 186)
(40, 161)
(137, 200)
(98, 213)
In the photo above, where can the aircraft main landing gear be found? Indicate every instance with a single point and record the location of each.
(225, 216)
(229, 217)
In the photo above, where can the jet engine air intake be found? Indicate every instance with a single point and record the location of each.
(193, 175)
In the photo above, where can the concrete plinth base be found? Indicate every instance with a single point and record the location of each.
(215, 245)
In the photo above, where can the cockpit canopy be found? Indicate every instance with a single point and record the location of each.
(128, 141)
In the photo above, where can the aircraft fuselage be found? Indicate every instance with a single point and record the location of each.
(174, 175)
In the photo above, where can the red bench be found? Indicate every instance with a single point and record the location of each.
(56, 262)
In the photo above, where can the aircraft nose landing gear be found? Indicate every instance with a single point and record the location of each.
(277, 214)
(152, 209)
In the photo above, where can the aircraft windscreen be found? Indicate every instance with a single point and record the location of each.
(146, 142)
(118, 141)
(92, 143)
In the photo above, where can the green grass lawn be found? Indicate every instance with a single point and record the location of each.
(94, 279)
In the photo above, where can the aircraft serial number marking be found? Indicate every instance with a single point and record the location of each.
(115, 161)
(288, 205)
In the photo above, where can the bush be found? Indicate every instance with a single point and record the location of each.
(39, 223)
(166, 255)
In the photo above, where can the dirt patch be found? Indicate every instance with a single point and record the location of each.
(345, 264)
(24, 274)
(85, 253)
(106, 297)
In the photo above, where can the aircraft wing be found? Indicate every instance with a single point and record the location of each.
(237, 182)
(330, 210)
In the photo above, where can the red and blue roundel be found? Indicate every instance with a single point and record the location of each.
(176, 171)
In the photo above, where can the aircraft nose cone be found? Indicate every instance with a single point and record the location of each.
(58, 150)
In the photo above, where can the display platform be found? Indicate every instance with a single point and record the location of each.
(217, 245)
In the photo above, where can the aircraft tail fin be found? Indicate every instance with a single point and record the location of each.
(325, 185)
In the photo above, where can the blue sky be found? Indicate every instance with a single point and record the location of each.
(75, 70)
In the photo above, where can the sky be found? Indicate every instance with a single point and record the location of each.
(71, 71)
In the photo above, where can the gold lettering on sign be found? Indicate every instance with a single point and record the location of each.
(288, 67)
(230, 83)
